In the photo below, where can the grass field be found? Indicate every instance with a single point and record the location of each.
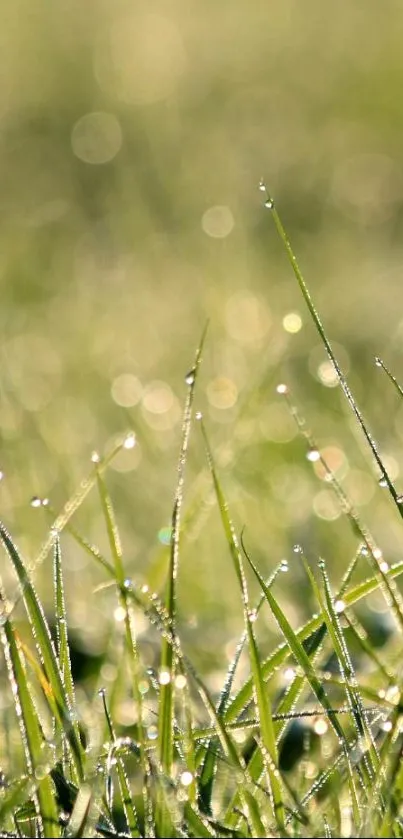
(133, 144)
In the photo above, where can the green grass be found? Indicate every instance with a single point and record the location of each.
(193, 761)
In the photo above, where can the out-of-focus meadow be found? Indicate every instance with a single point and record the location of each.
(132, 140)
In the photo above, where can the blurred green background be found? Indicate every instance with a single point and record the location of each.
(132, 140)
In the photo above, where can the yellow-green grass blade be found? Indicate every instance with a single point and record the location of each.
(126, 796)
(306, 665)
(336, 634)
(123, 587)
(198, 823)
(62, 642)
(269, 203)
(47, 654)
(90, 549)
(167, 665)
(269, 751)
(74, 502)
(206, 778)
(334, 721)
(31, 734)
(280, 655)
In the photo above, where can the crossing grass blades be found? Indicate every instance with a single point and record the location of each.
(208, 768)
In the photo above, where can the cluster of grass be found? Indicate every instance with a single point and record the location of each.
(208, 767)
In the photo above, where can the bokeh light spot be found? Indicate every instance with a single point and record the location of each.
(126, 390)
(247, 318)
(222, 393)
(218, 222)
(96, 138)
(292, 322)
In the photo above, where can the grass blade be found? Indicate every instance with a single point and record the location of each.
(31, 735)
(166, 705)
(269, 204)
(261, 697)
(47, 653)
(276, 659)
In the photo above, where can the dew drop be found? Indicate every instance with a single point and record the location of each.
(383, 482)
(339, 607)
(130, 440)
(128, 584)
(378, 361)
(384, 566)
(313, 455)
(95, 457)
(297, 549)
(269, 204)
(190, 376)
(387, 725)
(364, 550)
(144, 589)
(289, 674)
(101, 693)
(1, 475)
(320, 727)
(399, 499)
(282, 388)
(186, 778)
(262, 185)
(284, 565)
(164, 676)
(198, 415)
(252, 615)
(180, 681)
(152, 732)
(35, 501)
(321, 563)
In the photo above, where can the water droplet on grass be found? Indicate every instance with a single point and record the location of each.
(186, 778)
(382, 482)
(164, 676)
(262, 185)
(36, 501)
(378, 361)
(313, 455)
(282, 388)
(129, 441)
(199, 415)
(101, 692)
(252, 615)
(339, 607)
(269, 204)
(399, 499)
(289, 674)
(320, 727)
(284, 565)
(190, 376)
(152, 732)
(95, 457)
(297, 549)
